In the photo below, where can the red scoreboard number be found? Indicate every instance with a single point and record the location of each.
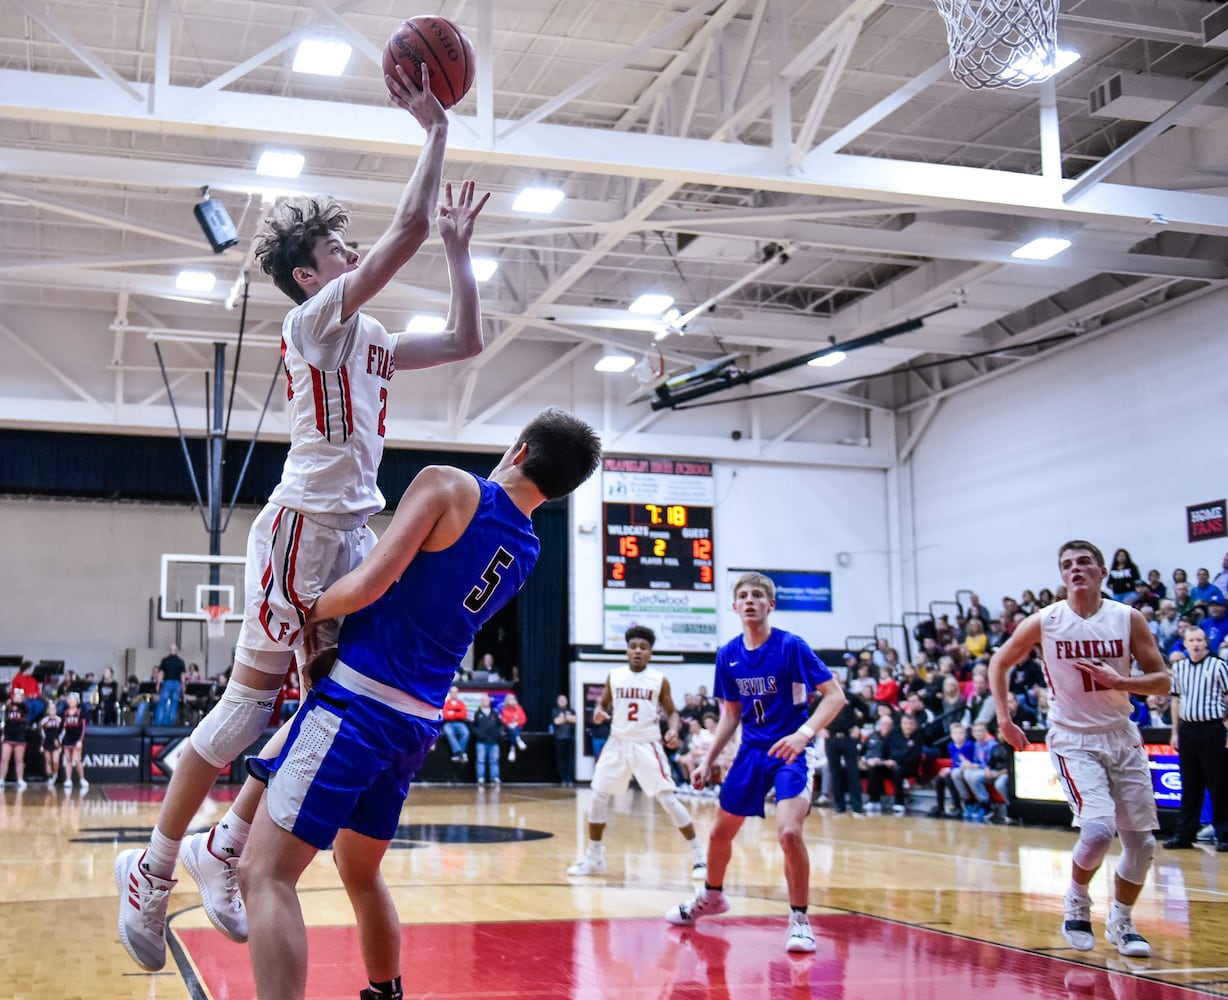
(658, 546)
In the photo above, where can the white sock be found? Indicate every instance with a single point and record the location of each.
(1078, 893)
(1120, 911)
(230, 836)
(697, 850)
(596, 849)
(161, 855)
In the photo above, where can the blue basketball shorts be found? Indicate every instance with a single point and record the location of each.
(347, 765)
(753, 772)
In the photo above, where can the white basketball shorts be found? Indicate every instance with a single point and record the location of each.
(291, 559)
(1105, 775)
(622, 758)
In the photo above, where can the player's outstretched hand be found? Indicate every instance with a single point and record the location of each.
(789, 748)
(700, 776)
(671, 739)
(1007, 730)
(456, 219)
(417, 100)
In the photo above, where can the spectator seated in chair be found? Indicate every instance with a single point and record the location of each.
(971, 776)
(959, 750)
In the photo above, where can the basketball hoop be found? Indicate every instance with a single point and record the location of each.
(1001, 43)
(217, 620)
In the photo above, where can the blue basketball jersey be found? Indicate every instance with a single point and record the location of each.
(773, 683)
(414, 637)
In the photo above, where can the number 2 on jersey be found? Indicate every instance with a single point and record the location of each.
(491, 576)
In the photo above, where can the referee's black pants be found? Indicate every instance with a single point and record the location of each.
(1203, 754)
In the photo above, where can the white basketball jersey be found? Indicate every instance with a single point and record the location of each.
(637, 697)
(1074, 703)
(338, 375)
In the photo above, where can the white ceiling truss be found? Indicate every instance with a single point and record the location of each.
(795, 174)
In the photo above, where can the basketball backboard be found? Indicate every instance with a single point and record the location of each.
(192, 583)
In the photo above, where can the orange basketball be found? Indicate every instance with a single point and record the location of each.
(444, 48)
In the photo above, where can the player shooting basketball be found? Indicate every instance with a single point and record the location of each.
(314, 529)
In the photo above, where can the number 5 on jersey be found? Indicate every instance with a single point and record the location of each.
(491, 576)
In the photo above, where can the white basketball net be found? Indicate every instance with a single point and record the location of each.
(216, 624)
(1000, 43)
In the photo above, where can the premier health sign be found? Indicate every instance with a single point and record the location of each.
(801, 590)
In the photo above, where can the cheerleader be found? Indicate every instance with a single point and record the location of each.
(16, 728)
(72, 738)
(52, 727)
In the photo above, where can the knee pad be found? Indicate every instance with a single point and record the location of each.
(234, 723)
(1138, 848)
(599, 811)
(674, 809)
(1093, 844)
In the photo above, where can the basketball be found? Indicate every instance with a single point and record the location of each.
(444, 48)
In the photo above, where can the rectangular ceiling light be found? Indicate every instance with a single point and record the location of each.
(195, 281)
(614, 363)
(426, 323)
(484, 268)
(1033, 69)
(651, 304)
(1041, 249)
(827, 360)
(280, 163)
(537, 201)
(321, 56)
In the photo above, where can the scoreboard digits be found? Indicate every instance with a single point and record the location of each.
(658, 546)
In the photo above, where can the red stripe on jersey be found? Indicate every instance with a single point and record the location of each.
(288, 586)
(1074, 789)
(318, 394)
(346, 409)
(266, 579)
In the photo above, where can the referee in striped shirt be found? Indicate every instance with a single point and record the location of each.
(1200, 735)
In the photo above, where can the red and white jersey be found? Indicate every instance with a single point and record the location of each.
(338, 375)
(1074, 702)
(637, 697)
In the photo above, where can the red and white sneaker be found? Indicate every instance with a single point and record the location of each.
(218, 881)
(143, 899)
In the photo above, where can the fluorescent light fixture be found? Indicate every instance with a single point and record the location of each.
(614, 363)
(484, 268)
(195, 281)
(1041, 249)
(651, 304)
(1034, 69)
(426, 323)
(537, 201)
(280, 163)
(827, 360)
(321, 56)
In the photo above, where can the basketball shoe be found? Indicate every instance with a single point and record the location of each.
(800, 936)
(143, 899)
(1120, 931)
(593, 863)
(218, 881)
(1077, 922)
(707, 903)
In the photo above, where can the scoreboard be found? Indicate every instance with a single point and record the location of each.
(651, 546)
(658, 562)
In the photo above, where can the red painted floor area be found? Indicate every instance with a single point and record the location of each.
(858, 958)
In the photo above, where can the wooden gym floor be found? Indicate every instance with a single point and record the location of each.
(901, 907)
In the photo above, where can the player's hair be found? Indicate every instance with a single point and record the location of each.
(289, 238)
(755, 579)
(563, 452)
(641, 632)
(1086, 546)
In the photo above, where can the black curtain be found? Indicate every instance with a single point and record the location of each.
(542, 620)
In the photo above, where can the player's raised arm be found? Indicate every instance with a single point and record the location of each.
(411, 225)
(461, 336)
(432, 513)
